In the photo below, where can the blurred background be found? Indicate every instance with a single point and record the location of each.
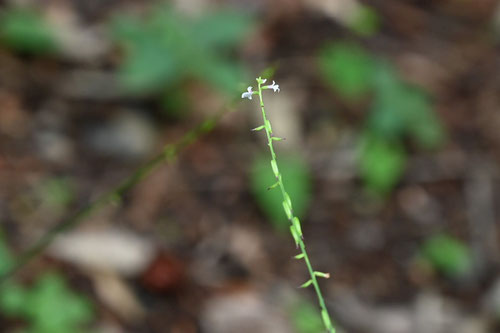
(390, 113)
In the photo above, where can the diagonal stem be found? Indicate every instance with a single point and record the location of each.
(168, 154)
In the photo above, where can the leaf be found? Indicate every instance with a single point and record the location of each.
(25, 30)
(223, 28)
(12, 299)
(365, 22)
(297, 181)
(288, 211)
(55, 192)
(305, 318)
(167, 47)
(306, 284)
(50, 305)
(447, 255)
(401, 109)
(381, 163)
(259, 128)
(6, 259)
(223, 74)
(348, 69)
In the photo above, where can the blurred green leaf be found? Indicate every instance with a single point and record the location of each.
(52, 307)
(297, 180)
(366, 21)
(55, 192)
(400, 109)
(447, 255)
(381, 163)
(12, 299)
(306, 319)
(223, 75)
(6, 259)
(428, 131)
(268, 72)
(48, 306)
(25, 30)
(167, 47)
(348, 68)
(222, 29)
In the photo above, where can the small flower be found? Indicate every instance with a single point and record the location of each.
(273, 86)
(247, 94)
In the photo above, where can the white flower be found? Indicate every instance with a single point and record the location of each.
(247, 94)
(274, 87)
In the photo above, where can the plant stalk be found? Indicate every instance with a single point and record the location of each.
(295, 230)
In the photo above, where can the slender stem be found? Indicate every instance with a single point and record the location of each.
(296, 233)
(168, 154)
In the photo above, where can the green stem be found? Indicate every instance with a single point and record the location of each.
(168, 154)
(296, 233)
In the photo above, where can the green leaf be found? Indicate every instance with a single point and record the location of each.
(12, 299)
(6, 259)
(25, 30)
(381, 163)
(223, 74)
(365, 22)
(401, 109)
(167, 47)
(50, 305)
(259, 128)
(55, 192)
(288, 210)
(322, 275)
(306, 284)
(296, 224)
(327, 321)
(268, 126)
(223, 28)
(348, 69)
(295, 235)
(273, 186)
(447, 255)
(274, 167)
(150, 68)
(297, 181)
(306, 319)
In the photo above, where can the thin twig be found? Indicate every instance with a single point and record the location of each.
(169, 152)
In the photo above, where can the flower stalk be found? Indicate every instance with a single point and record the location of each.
(295, 227)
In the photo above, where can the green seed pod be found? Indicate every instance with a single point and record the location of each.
(275, 168)
(288, 213)
(307, 284)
